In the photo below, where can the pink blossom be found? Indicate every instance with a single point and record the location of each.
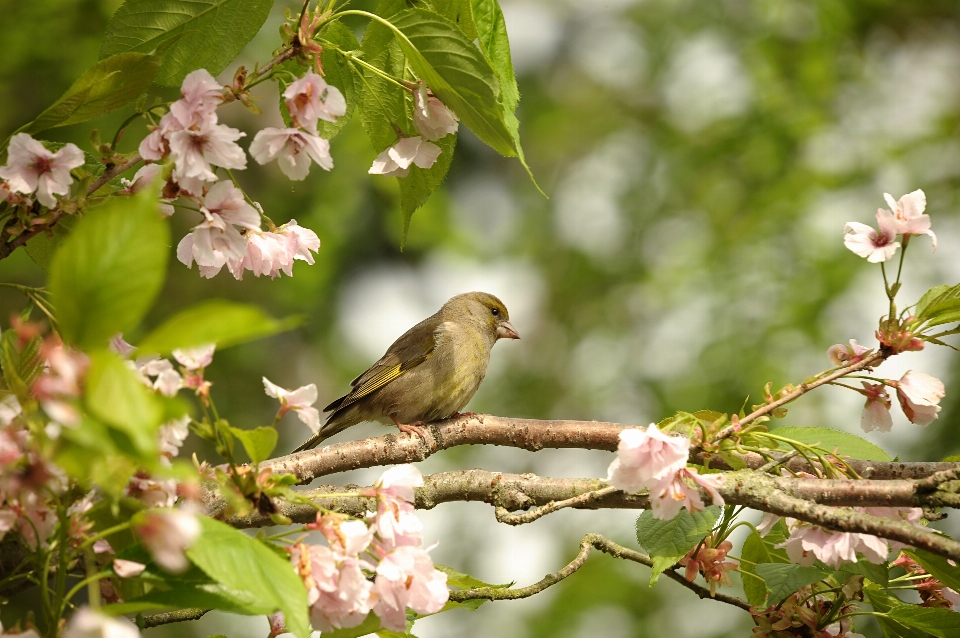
(215, 241)
(399, 482)
(152, 492)
(406, 578)
(143, 178)
(195, 358)
(951, 597)
(873, 245)
(346, 537)
(9, 410)
(86, 623)
(310, 98)
(167, 534)
(127, 568)
(293, 149)
(396, 160)
(307, 240)
(31, 167)
(267, 254)
(103, 546)
(876, 411)
(908, 211)
(431, 117)
(200, 96)
(172, 434)
(119, 346)
(299, 400)
(194, 150)
(672, 493)
(920, 395)
(154, 146)
(168, 381)
(338, 592)
(843, 355)
(36, 520)
(810, 542)
(646, 456)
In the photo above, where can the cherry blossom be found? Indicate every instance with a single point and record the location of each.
(876, 411)
(843, 355)
(338, 591)
(293, 149)
(672, 493)
(919, 395)
(127, 568)
(86, 623)
(310, 99)
(646, 456)
(709, 560)
(172, 434)
(908, 212)
(216, 239)
(307, 240)
(396, 160)
(167, 533)
(808, 543)
(270, 253)
(194, 150)
(195, 358)
(152, 492)
(873, 245)
(143, 178)
(406, 578)
(200, 96)
(167, 382)
(431, 117)
(31, 167)
(299, 400)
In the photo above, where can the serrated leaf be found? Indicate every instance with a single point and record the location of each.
(107, 273)
(879, 574)
(115, 395)
(338, 72)
(943, 623)
(225, 323)
(211, 32)
(238, 562)
(784, 579)
(938, 567)
(883, 601)
(939, 305)
(846, 444)
(924, 303)
(457, 73)
(757, 551)
(669, 541)
(106, 86)
(460, 12)
(258, 443)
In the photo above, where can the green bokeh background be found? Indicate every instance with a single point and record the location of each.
(701, 158)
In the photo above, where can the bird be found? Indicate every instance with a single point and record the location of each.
(430, 373)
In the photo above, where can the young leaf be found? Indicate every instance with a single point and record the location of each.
(258, 443)
(107, 273)
(847, 444)
(457, 73)
(106, 86)
(669, 541)
(466, 581)
(211, 32)
(115, 395)
(225, 323)
(882, 602)
(943, 623)
(246, 565)
(784, 579)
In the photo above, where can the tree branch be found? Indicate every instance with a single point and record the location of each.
(113, 171)
(180, 615)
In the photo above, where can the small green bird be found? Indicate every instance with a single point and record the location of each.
(431, 372)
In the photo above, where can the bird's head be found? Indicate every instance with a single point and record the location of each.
(485, 311)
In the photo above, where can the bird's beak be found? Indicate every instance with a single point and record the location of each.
(506, 331)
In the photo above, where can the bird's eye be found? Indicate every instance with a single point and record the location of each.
(495, 311)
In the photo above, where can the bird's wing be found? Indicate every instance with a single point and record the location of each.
(413, 348)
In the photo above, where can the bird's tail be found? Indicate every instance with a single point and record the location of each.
(337, 422)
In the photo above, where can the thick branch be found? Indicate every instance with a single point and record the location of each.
(527, 434)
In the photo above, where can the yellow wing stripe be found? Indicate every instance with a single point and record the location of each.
(381, 379)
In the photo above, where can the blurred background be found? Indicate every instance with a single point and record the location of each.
(701, 159)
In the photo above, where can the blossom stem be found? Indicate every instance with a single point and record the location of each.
(94, 590)
(107, 532)
(122, 127)
(383, 74)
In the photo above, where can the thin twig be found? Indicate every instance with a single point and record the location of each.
(932, 482)
(180, 615)
(778, 461)
(504, 516)
(113, 171)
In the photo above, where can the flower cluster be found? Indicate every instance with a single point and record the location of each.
(433, 120)
(31, 168)
(919, 395)
(803, 614)
(709, 560)
(905, 218)
(649, 459)
(375, 565)
(308, 100)
(932, 592)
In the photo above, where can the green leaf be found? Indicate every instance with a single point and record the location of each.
(384, 104)
(939, 622)
(419, 183)
(258, 443)
(338, 72)
(185, 596)
(939, 305)
(882, 602)
(669, 541)
(211, 32)
(246, 565)
(879, 574)
(492, 36)
(457, 73)
(225, 323)
(938, 567)
(757, 551)
(115, 395)
(829, 439)
(43, 247)
(460, 12)
(369, 626)
(466, 581)
(107, 273)
(106, 86)
(784, 579)
(920, 311)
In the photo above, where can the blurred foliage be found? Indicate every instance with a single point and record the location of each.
(701, 158)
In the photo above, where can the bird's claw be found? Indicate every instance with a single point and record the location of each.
(411, 428)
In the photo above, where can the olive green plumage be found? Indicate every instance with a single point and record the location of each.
(429, 373)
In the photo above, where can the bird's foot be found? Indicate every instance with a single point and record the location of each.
(410, 428)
